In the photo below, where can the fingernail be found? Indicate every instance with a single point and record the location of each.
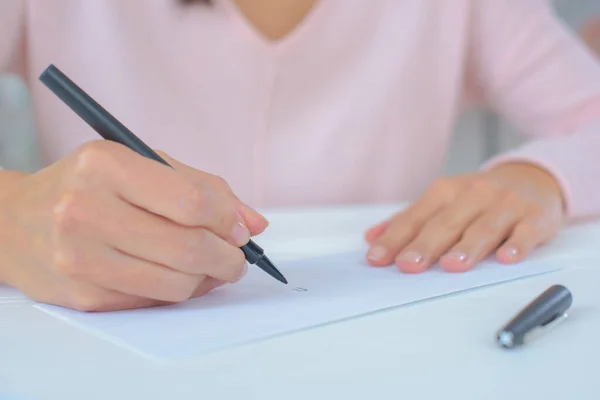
(511, 253)
(240, 234)
(265, 220)
(411, 256)
(456, 256)
(377, 253)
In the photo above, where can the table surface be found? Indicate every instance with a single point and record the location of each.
(439, 348)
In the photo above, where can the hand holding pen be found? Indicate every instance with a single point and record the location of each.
(106, 228)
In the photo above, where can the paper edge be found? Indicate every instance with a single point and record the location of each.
(162, 360)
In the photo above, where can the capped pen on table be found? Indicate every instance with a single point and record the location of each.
(544, 311)
(110, 128)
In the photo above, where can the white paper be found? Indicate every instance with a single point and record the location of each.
(258, 307)
(9, 295)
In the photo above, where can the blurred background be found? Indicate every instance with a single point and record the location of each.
(479, 135)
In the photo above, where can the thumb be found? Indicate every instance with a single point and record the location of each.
(255, 222)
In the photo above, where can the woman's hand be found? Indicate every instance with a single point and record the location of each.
(107, 229)
(461, 220)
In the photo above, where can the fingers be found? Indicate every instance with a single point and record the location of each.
(485, 218)
(192, 251)
(115, 271)
(83, 296)
(461, 233)
(388, 238)
(161, 190)
(145, 236)
(481, 238)
(444, 229)
(206, 286)
(527, 235)
(376, 231)
(111, 270)
(112, 301)
(253, 220)
(400, 230)
(95, 279)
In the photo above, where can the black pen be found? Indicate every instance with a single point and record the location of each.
(111, 129)
(545, 310)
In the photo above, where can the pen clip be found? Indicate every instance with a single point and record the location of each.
(545, 327)
(544, 312)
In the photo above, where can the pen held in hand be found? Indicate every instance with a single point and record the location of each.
(110, 128)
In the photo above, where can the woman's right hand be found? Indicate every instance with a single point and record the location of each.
(107, 229)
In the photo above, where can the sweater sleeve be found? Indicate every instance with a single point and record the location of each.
(536, 73)
(12, 32)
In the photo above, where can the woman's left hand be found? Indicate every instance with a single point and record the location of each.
(461, 220)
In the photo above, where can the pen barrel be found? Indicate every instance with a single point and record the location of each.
(93, 113)
(253, 252)
(543, 310)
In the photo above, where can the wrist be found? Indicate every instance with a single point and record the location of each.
(519, 172)
(8, 182)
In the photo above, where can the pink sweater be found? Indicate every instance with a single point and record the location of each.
(357, 104)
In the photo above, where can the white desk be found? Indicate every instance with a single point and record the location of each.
(437, 349)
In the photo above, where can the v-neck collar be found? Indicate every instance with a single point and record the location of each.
(282, 43)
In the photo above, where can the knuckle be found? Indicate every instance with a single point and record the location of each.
(219, 185)
(405, 227)
(194, 251)
(445, 222)
(185, 289)
(408, 231)
(92, 157)
(239, 262)
(62, 262)
(191, 256)
(408, 221)
(528, 231)
(486, 187)
(205, 205)
(444, 189)
(225, 217)
(80, 300)
(67, 213)
(220, 182)
(535, 210)
(484, 230)
(509, 198)
(235, 268)
(195, 201)
(68, 263)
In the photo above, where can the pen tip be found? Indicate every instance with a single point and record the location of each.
(268, 266)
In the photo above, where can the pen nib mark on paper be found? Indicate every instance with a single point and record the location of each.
(300, 289)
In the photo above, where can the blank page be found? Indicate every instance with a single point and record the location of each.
(320, 291)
